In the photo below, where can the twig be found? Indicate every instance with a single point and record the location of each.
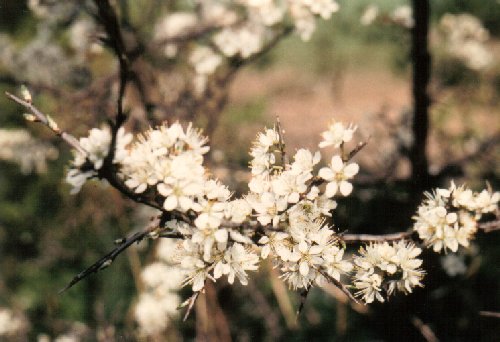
(489, 314)
(303, 298)
(190, 302)
(107, 171)
(106, 260)
(355, 151)
(47, 121)
(339, 285)
(424, 329)
(109, 20)
(237, 61)
(491, 226)
(341, 297)
(282, 150)
(357, 238)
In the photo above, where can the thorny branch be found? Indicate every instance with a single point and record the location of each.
(106, 260)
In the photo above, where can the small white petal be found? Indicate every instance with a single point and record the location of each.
(304, 268)
(351, 170)
(170, 203)
(337, 164)
(331, 189)
(345, 188)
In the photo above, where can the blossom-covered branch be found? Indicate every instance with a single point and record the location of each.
(282, 217)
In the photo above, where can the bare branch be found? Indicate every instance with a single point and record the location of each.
(106, 260)
(491, 226)
(108, 18)
(47, 121)
(341, 286)
(282, 150)
(360, 238)
(190, 302)
(424, 329)
(355, 151)
(489, 314)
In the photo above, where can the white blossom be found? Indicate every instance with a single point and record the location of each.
(337, 176)
(448, 217)
(453, 264)
(12, 324)
(238, 210)
(369, 15)
(18, 146)
(386, 267)
(464, 38)
(337, 134)
(96, 146)
(403, 15)
(237, 260)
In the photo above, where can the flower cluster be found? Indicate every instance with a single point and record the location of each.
(158, 303)
(249, 36)
(86, 166)
(384, 267)
(12, 325)
(289, 198)
(465, 39)
(449, 217)
(401, 15)
(168, 161)
(233, 29)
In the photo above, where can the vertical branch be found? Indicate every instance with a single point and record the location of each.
(107, 17)
(421, 60)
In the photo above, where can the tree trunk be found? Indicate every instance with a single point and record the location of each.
(421, 61)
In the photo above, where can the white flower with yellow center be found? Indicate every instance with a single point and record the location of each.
(337, 175)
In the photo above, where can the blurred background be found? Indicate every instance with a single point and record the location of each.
(355, 68)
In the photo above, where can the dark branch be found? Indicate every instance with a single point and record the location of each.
(421, 61)
(107, 17)
(106, 260)
(303, 298)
